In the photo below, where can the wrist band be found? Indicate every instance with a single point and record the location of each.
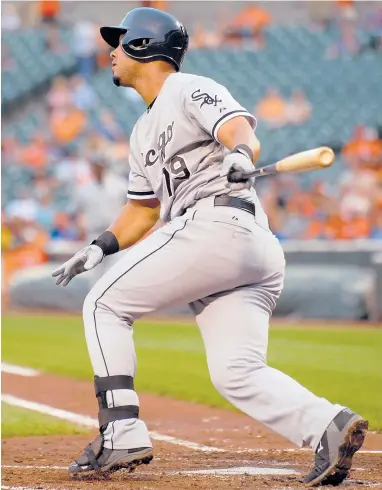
(107, 242)
(244, 150)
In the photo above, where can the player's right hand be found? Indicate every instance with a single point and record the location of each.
(237, 162)
(84, 260)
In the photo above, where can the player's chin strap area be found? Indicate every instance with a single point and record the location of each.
(107, 415)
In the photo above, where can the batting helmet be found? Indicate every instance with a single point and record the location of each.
(149, 35)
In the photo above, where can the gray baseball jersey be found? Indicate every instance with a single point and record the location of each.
(175, 153)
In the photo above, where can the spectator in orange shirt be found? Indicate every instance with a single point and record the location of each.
(49, 10)
(155, 4)
(272, 109)
(316, 229)
(67, 124)
(34, 154)
(355, 226)
(333, 224)
(27, 246)
(364, 150)
(247, 27)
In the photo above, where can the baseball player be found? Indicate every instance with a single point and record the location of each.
(215, 252)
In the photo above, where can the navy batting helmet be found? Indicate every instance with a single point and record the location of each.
(149, 35)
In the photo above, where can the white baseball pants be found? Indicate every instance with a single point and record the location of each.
(230, 270)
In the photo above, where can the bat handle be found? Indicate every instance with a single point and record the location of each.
(235, 176)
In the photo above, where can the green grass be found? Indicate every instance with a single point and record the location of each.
(344, 365)
(18, 422)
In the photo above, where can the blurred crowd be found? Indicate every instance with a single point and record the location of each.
(277, 111)
(60, 154)
(346, 209)
(62, 161)
(247, 29)
(75, 155)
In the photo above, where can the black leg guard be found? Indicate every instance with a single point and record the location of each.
(98, 460)
(107, 415)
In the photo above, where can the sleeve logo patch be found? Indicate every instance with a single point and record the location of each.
(205, 98)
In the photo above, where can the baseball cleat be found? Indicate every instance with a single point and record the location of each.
(341, 440)
(97, 460)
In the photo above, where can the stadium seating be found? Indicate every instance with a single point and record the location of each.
(339, 90)
(15, 178)
(343, 92)
(34, 64)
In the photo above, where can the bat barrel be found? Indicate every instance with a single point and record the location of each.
(326, 156)
(300, 162)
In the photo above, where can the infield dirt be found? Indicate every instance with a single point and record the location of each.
(240, 437)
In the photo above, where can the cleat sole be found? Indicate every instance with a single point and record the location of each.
(340, 468)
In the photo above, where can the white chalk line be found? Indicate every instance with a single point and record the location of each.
(295, 450)
(93, 423)
(347, 483)
(31, 467)
(242, 470)
(6, 487)
(90, 422)
(18, 370)
(189, 444)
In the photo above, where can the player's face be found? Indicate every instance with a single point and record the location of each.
(123, 67)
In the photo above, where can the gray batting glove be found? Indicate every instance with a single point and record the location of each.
(84, 260)
(237, 162)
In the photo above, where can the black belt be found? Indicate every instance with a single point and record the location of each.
(233, 202)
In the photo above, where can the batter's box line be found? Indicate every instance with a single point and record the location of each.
(294, 450)
(92, 423)
(241, 470)
(18, 370)
(6, 487)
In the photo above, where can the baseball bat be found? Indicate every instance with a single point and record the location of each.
(299, 162)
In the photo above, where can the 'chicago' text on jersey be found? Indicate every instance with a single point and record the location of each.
(164, 139)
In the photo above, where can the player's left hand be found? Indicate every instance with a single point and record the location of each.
(236, 161)
(84, 260)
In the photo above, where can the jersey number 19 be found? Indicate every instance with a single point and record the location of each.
(178, 171)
